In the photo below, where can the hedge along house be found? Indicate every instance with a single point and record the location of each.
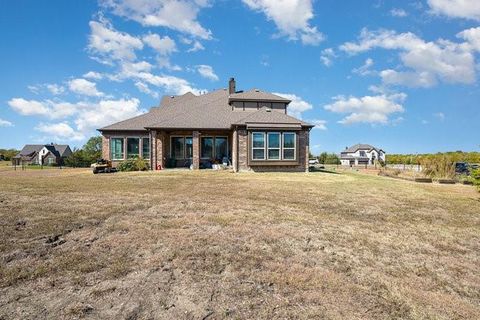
(248, 130)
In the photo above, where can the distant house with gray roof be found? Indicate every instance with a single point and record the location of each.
(361, 154)
(43, 154)
(248, 130)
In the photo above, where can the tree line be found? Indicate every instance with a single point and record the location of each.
(8, 154)
(326, 158)
(454, 156)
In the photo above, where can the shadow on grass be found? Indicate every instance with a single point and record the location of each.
(322, 170)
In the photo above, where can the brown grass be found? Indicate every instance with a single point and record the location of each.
(183, 245)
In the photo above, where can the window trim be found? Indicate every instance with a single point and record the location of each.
(259, 148)
(280, 141)
(294, 146)
(123, 148)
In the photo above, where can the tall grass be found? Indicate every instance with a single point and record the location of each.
(442, 167)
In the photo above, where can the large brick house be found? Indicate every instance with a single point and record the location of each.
(247, 130)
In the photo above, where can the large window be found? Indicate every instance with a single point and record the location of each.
(207, 147)
(116, 148)
(221, 148)
(178, 148)
(146, 148)
(133, 148)
(274, 146)
(258, 146)
(289, 144)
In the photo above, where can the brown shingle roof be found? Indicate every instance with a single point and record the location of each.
(207, 111)
(257, 95)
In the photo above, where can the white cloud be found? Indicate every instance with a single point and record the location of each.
(207, 72)
(111, 44)
(145, 89)
(327, 56)
(93, 75)
(426, 63)
(400, 13)
(164, 62)
(367, 109)
(55, 89)
(297, 106)
(105, 112)
(364, 70)
(84, 87)
(468, 9)
(179, 15)
(472, 36)
(164, 46)
(319, 124)
(28, 107)
(292, 18)
(422, 79)
(60, 131)
(197, 46)
(5, 123)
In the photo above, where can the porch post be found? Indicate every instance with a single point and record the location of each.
(153, 150)
(160, 147)
(196, 150)
(235, 150)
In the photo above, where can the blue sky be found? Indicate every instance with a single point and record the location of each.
(401, 75)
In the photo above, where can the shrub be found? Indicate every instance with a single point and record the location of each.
(438, 167)
(476, 178)
(137, 164)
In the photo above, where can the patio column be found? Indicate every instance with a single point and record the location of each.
(196, 150)
(153, 150)
(235, 150)
(160, 148)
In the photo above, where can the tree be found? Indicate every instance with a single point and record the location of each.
(93, 148)
(90, 152)
(322, 157)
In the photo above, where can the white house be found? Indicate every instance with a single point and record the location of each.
(361, 154)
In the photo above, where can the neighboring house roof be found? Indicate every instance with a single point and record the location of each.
(206, 111)
(257, 95)
(30, 150)
(360, 146)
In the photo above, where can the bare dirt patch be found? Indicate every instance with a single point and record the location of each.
(215, 245)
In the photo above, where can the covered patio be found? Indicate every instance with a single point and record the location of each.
(190, 148)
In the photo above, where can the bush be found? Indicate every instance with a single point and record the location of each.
(476, 178)
(137, 164)
(438, 167)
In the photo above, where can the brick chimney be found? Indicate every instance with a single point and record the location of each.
(231, 86)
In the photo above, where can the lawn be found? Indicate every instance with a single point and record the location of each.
(215, 245)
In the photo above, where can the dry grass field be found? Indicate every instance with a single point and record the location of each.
(218, 245)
